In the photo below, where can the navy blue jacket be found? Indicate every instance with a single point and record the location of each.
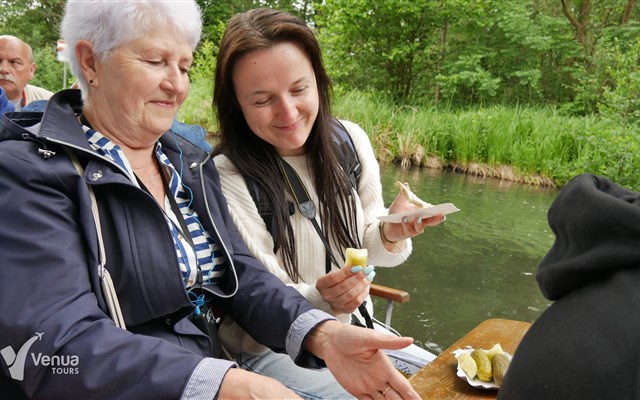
(49, 265)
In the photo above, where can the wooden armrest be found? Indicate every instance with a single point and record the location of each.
(399, 296)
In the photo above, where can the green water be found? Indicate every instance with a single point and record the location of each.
(478, 264)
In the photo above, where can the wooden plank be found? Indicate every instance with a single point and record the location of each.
(385, 292)
(438, 380)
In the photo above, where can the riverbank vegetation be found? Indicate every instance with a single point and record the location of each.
(533, 145)
(535, 91)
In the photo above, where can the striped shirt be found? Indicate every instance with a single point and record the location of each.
(205, 255)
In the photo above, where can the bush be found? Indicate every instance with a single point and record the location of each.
(50, 72)
(197, 109)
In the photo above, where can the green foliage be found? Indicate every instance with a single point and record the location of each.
(467, 78)
(50, 73)
(387, 38)
(507, 51)
(35, 22)
(216, 13)
(197, 108)
(535, 141)
(621, 98)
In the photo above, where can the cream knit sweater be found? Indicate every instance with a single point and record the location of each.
(310, 250)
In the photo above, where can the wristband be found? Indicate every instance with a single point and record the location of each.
(383, 237)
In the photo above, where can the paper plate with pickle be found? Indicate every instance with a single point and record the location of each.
(482, 368)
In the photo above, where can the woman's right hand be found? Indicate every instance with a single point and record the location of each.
(346, 288)
(241, 384)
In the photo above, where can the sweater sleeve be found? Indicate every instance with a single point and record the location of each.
(370, 193)
(254, 231)
(259, 242)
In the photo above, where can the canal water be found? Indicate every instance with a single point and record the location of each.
(479, 264)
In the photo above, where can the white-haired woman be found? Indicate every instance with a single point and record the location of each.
(96, 180)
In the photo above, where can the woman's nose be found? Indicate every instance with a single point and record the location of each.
(176, 81)
(288, 108)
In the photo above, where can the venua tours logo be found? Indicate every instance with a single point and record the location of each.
(60, 365)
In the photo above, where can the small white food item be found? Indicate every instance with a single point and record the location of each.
(410, 196)
(355, 257)
(496, 349)
(468, 365)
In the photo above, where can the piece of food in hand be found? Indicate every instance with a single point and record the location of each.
(355, 257)
(483, 364)
(468, 365)
(499, 364)
(496, 349)
(410, 196)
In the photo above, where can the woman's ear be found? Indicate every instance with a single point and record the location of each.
(87, 61)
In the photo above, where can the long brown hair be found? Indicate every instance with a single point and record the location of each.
(255, 158)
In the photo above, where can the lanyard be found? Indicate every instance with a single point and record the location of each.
(308, 210)
(307, 207)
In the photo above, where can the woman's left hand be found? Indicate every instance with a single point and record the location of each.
(409, 227)
(355, 357)
(346, 288)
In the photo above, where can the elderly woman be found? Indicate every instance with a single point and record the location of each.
(94, 187)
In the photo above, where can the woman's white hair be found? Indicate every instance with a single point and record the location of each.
(108, 24)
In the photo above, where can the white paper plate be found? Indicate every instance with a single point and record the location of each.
(444, 209)
(474, 382)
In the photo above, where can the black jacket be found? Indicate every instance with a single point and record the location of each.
(586, 345)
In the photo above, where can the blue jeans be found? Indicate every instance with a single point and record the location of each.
(311, 384)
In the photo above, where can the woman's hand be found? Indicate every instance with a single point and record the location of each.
(346, 288)
(241, 384)
(354, 355)
(408, 228)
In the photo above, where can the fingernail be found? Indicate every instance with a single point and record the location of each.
(356, 269)
(369, 269)
(371, 276)
(405, 219)
(419, 221)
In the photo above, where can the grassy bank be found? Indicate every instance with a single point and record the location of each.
(538, 146)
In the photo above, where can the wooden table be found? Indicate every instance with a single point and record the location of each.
(438, 380)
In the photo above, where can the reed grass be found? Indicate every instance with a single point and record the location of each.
(536, 145)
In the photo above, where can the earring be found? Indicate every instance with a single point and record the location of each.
(90, 80)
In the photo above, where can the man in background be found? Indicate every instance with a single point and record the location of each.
(17, 68)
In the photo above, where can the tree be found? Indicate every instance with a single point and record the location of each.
(36, 22)
(588, 27)
(385, 45)
(599, 28)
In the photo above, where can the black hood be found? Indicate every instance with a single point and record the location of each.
(597, 228)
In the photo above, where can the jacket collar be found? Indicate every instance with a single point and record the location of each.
(58, 123)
